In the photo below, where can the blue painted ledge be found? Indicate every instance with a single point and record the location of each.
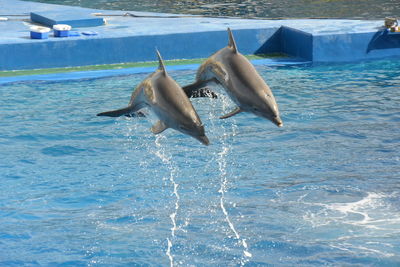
(128, 71)
(134, 39)
(76, 19)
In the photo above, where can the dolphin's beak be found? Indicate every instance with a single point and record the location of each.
(203, 139)
(278, 121)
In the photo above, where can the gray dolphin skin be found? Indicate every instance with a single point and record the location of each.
(168, 101)
(241, 81)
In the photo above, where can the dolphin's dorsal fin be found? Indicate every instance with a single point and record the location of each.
(232, 113)
(160, 63)
(158, 127)
(232, 43)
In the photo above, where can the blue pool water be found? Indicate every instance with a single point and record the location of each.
(81, 190)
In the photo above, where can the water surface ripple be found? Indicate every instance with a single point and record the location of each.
(324, 189)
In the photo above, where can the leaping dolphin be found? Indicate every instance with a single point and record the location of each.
(240, 80)
(168, 101)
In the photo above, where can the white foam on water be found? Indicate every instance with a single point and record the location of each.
(354, 249)
(370, 218)
(370, 212)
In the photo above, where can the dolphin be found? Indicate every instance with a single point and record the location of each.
(241, 81)
(168, 101)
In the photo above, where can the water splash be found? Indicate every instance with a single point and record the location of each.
(222, 191)
(161, 151)
(222, 163)
(166, 158)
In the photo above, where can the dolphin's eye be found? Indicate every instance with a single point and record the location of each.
(183, 128)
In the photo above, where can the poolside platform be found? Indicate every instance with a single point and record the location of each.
(134, 37)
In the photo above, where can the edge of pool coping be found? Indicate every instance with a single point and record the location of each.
(95, 74)
(319, 41)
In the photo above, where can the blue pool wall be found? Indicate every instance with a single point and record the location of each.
(356, 46)
(93, 51)
(127, 39)
(297, 43)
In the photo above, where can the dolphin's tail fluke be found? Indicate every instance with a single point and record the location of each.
(199, 89)
(117, 113)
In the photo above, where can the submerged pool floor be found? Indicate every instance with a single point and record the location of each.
(324, 189)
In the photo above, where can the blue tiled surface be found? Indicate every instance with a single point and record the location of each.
(129, 39)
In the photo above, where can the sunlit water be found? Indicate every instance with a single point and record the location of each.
(81, 190)
(359, 9)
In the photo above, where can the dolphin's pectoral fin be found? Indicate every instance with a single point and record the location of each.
(158, 127)
(199, 89)
(117, 113)
(232, 113)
